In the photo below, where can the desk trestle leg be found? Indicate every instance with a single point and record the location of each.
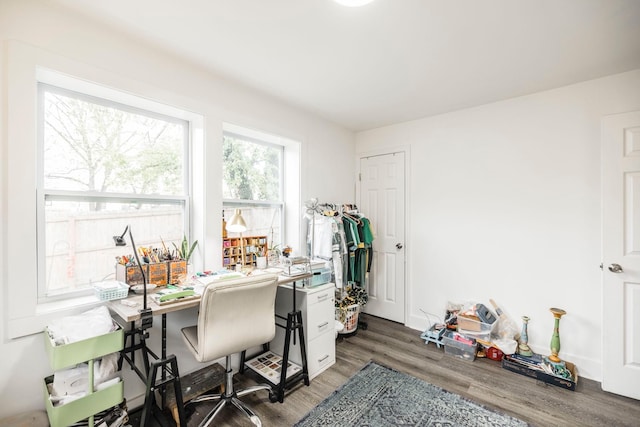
(294, 322)
(169, 370)
(166, 365)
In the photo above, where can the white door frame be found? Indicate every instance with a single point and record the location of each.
(620, 247)
(406, 149)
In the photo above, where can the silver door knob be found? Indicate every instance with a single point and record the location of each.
(399, 245)
(615, 268)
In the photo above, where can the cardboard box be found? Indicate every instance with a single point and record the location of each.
(130, 275)
(157, 273)
(543, 376)
(177, 271)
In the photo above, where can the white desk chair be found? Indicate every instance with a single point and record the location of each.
(235, 314)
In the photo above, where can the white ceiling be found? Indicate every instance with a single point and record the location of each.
(391, 60)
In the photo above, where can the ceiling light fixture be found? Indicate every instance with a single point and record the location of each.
(353, 3)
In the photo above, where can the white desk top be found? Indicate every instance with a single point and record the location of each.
(128, 309)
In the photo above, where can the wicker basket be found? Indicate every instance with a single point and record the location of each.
(348, 317)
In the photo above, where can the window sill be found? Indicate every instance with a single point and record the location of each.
(65, 305)
(45, 313)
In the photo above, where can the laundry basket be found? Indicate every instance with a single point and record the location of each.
(348, 317)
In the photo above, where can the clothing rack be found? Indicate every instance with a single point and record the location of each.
(349, 263)
(328, 210)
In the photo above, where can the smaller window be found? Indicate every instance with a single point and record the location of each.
(252, 181)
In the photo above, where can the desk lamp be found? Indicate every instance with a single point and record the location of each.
(237, 225)
(146, 316)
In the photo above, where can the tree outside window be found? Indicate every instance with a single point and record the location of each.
(252, 181)
(104, 166)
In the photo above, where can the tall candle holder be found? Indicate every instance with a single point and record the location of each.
(523, 346)
(555, 338)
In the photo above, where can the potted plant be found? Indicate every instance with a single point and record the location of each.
(185, 251)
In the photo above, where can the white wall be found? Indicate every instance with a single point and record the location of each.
(505, 204)
(43, 32)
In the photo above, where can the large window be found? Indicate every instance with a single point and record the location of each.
(104, 165)
(252, 181)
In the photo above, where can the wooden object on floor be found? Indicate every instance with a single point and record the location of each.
(196, 384)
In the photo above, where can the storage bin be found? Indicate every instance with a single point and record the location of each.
(130, 274)
(474, 328)
(177, 272)
(158, 273)
(320, 276)
(107, 291)
(62, 356)
(70, 413)
(349, 318)
(457, 348)
(482, 336)
(569, 384)
(472, 324)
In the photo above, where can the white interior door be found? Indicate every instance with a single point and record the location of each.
(621, 254)
(382, 201)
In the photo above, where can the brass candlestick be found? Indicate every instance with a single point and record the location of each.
(555, 338)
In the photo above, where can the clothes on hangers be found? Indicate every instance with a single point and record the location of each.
(340, 254)
(344, 236)
(360, 237)
(322, 238)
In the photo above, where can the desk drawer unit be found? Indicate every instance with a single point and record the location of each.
(317, 320)
(317, 307)
(321, 353)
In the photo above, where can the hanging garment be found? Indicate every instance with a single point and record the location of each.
(340, 253)
(321, 237)
(367, 238)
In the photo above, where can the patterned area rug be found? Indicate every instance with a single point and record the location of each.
(380, 396)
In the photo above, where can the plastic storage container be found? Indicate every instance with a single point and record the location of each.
(475, 328)
(459, 346)
(106, 291)
(320, 276)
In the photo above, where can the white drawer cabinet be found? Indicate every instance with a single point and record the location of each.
(317, 307)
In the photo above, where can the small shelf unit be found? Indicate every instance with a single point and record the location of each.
(233, 248)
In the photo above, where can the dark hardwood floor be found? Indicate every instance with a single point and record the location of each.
(483, 381)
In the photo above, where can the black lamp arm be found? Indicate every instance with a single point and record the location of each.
(146, 315)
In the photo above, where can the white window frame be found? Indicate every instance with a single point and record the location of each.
(25, 66)
(289, 180)
(45, 195)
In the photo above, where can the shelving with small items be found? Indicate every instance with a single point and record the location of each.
(233, 248)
